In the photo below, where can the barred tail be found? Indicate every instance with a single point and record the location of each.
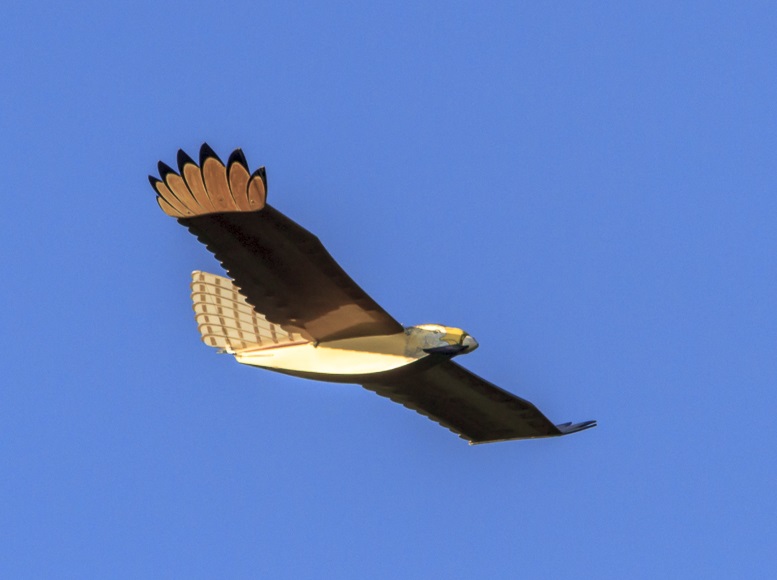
(226, 321)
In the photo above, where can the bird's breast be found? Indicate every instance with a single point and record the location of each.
(340, 358)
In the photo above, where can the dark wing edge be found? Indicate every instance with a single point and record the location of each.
(568, 428)
(282, 269)
(563, 429)
(469, 406)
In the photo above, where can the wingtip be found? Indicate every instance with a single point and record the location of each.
(237, 156)
(206, 152)
(164, 170)
(262, 174)
(182, 159)
(567, 428)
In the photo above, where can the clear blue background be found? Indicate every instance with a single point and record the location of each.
(587, 188)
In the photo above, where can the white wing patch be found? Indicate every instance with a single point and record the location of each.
(226, 321)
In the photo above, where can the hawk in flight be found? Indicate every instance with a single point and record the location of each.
(289, 307)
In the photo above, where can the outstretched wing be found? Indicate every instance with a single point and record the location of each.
(475, 409)
(282, 269)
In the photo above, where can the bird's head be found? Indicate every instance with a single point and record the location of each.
(435, 338)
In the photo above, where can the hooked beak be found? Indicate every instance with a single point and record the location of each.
(447, 349)
(466, 344)
(469, 343)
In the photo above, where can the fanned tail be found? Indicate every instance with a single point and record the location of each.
(226, 321)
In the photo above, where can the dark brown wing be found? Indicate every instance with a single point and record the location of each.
(282, 269)
(288, 276)
(475, 409)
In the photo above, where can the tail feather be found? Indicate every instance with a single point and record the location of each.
(226, 321)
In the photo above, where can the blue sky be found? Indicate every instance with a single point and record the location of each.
(589, 190)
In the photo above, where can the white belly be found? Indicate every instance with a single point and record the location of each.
(353, 356)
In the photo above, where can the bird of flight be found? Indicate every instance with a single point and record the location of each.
(289, 307)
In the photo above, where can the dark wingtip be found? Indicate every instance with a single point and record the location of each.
(164, 170)
(237, 156)
(153, 181)
(262, 175)
(206, 152)
(183, 158)
(567, 428)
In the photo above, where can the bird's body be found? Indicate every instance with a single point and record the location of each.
(291, 308)
(337, 360)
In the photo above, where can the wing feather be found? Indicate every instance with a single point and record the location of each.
(468, 405)
(193, 176)
(257, 189)
(170, 199)
(167, 208)
(178, 187)
(286, 274)
(238, 175)
(214, 176)
(282, 269)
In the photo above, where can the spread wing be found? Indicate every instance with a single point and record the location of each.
(282, 269)
(475, 409)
